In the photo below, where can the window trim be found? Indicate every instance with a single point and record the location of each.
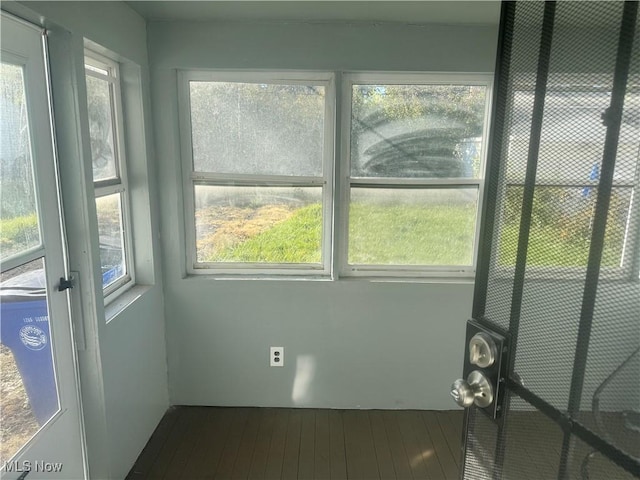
(191, 178)
(119, 184)
(398, 78)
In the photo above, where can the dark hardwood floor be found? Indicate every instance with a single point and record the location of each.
(279, 443)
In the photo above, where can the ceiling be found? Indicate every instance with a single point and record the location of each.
(414, 12)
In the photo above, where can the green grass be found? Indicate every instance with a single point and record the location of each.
(378, 235)
(296, 240)
(18, 233)
(411, 234)
(548, 247)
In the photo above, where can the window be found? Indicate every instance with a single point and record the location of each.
(258, 170)
(567, 178)
(415, 162)
(258, 152)
(109, 173)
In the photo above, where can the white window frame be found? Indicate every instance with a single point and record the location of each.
(119, 184)
(629, 268)
(191, 178)
(383, 78)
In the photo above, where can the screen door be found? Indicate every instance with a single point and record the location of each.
(40, 421)
(559, 267)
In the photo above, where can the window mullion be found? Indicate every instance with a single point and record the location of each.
(205, 178)
(109, 189)
(413, 182)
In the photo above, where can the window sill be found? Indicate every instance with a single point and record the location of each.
(124, 301)
(252, 277)
(435, 279)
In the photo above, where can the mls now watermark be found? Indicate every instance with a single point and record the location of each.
(32, 466)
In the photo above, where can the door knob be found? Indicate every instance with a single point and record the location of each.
(475, 389)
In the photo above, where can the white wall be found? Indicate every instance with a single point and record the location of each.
(123, 370)
(348, 343)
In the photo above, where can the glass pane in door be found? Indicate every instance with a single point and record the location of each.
(19, 229)
(28, 389)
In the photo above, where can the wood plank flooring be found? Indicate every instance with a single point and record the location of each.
(277, 443)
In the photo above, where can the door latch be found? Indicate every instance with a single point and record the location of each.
(66, 284)
(485, 363)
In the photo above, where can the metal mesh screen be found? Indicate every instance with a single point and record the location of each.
(524, 42)
(532, 437)
(578, 91)
(587, 463)
(480, 446)
(559, 277)
(611, 397)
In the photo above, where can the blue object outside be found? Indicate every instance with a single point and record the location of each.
(111, 275)
(594, 175)
(24, 329)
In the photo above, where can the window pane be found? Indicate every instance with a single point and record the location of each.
(425, 131)
(259, 224)
(19, 229)
(573, 136)
(111, 235)
(257, 128)
(561, 226)
(101, 129)
(28, 391)
(412, 226)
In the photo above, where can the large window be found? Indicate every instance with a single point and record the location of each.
(259, 157)
(109, 172)
(258, 152)
(415, 162)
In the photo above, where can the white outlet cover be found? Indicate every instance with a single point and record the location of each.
(276, 357)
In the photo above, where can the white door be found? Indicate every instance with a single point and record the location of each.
(40, 421)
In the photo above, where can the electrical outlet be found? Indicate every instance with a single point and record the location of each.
(276, 357)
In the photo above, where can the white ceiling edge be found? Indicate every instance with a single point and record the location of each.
(452, 12)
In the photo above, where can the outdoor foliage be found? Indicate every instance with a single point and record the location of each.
(460, 105)
(411, 234)
(295, 240)
(18, 234)
(379, 234)
(561, 226)
(414, 234)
